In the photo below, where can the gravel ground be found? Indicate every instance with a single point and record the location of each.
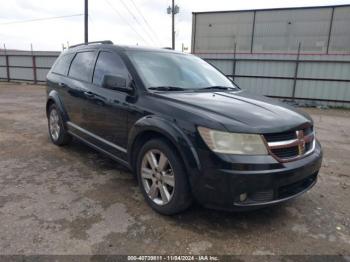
(73, 200)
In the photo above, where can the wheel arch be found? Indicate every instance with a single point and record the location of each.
(154, 127)
(53, 98)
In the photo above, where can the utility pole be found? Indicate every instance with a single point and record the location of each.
(86, 25)
(173, 24)
(173, 10)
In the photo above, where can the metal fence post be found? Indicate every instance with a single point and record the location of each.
(296, 70)
(253, 33)
(7, 64)
(7, 67)
(34, 69)
(330, 31)
(34, 64)
(234, 62)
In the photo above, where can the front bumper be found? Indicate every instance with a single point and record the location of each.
(238, 183)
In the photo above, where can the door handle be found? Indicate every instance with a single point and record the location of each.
(88, 94)
(62, 84)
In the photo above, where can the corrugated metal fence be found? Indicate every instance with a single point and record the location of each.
(308, 79)
(295, 53)
(25, 65)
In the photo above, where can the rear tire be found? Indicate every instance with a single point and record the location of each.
(162, 178)
(57, 132)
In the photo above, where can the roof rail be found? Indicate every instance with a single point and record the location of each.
(109, 42)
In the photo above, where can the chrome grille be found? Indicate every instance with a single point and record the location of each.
(291, 145)
(286, 152)
(276, 137)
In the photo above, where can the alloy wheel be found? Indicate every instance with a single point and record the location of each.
(54, 124)
(157, 177)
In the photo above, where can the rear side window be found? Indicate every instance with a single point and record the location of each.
(109, 64)
(62, 65)
(81, 66)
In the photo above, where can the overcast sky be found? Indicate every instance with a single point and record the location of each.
(146, 22)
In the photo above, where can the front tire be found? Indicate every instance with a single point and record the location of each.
(58, 135)
(162, 178)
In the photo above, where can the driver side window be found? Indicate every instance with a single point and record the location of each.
(109, 63)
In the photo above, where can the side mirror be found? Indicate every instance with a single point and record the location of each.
(116, 83)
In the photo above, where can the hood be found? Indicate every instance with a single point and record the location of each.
(241, 111)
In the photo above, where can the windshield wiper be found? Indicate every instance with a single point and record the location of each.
(216, 87)
(166, 88)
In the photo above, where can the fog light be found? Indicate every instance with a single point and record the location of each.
(243, 197)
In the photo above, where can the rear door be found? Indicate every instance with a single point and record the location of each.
(57, 78)
(107, 109)
(79, 87)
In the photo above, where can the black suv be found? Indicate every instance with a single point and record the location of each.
(184, 129)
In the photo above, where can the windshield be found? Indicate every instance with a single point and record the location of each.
(175, 72)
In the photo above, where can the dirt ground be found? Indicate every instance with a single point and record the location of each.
(73, 200)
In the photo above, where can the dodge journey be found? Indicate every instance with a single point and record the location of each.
(185, 130)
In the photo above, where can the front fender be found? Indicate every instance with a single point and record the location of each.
(54, 97)
(170, 130)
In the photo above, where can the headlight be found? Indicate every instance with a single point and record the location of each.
(233, 143)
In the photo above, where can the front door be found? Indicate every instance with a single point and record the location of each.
(107, 109)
